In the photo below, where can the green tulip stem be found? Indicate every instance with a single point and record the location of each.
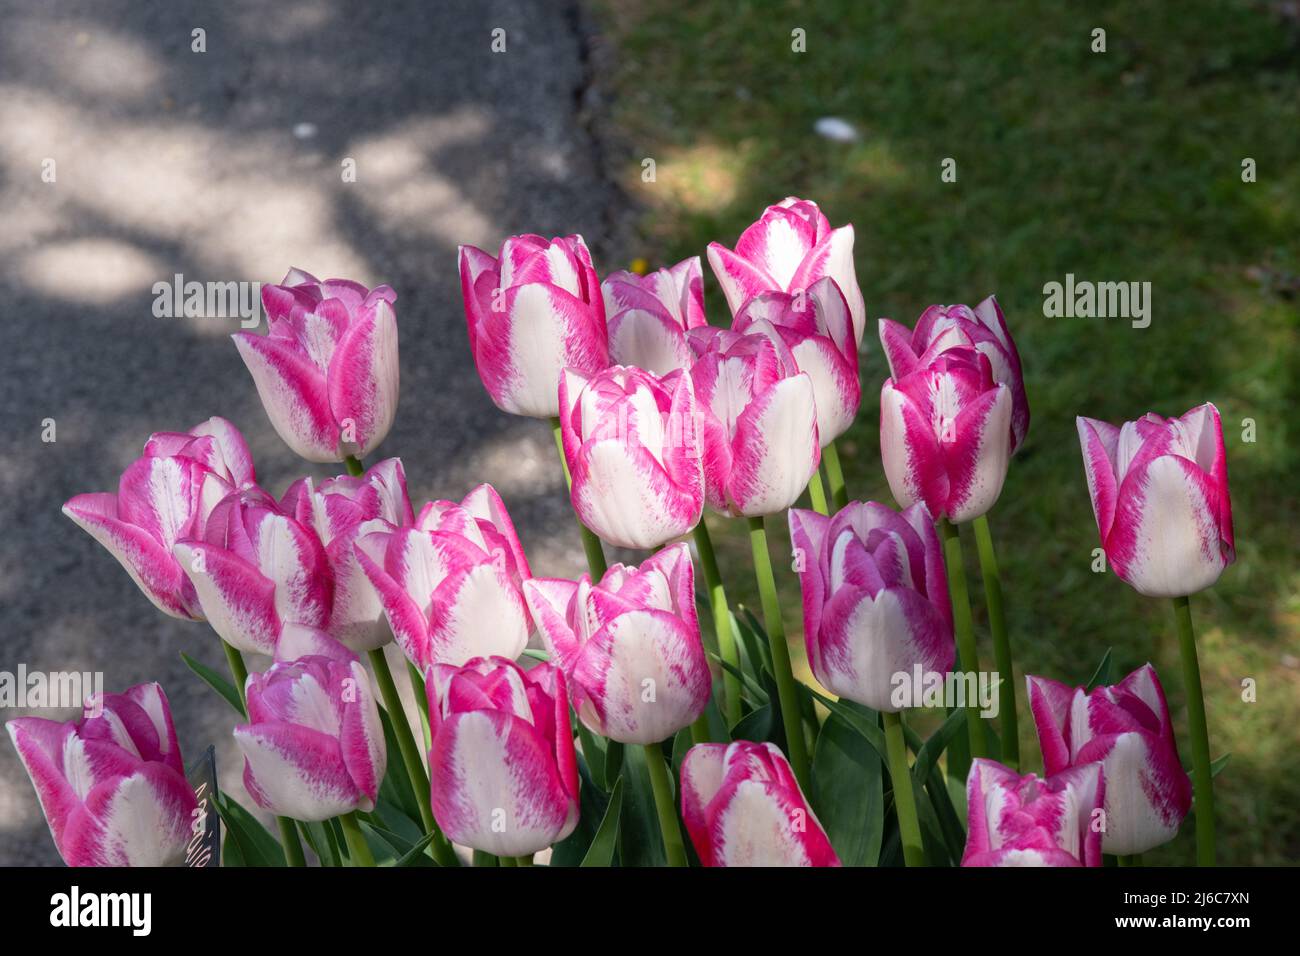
(442, 850)
(964, 627)
(358, 849)
(835, 476)
(1198, 729)
(909, 826)
(785, 683)
(727, 648)
(1001, 643)
(662, 784)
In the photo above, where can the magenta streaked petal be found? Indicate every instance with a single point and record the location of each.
(363, 380)
(297, 772)
(237, 599)
(740, 279)
(496, 786)
(152, 567)
(294, 393)
(776, 448)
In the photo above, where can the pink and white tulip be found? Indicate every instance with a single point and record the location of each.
(759, 419)
(113, 785)
(1127, 728)
(533, 312)
(635, 454)
(790, 247)
(945, 435)
(1027, 821)
(743, 807)
(164, 496)
(451, 585)
(327, 370)
(256, 569)
(1159, 490)
(941, 327)
(629, 646)
(817, 328)
(650, 315)
(875, 599)
(313, 746)
(502, 764)
(341, 510)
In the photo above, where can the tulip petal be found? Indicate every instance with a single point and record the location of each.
(152, 567)
(1165, 538)
(740, 279)
(495, 785)
(776, 448)
(645, 677)
(237, 599)
(294, 771)
(294, 393)
(363, 380)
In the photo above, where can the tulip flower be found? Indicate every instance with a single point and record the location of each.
(650, 315)
(313, 746)
(817, 328)
(502, 764)
(875, 599)
(742, 807)
(162, 497)
(112, 785)
(1127, 728)
(629, 646)
(341, 510)
(532, 312)
(945, 435)
(1026, 821)
(451, 585)
(790, 247)
(1159, 490)
(635, 454)
(327, 370)
(942, 327)
(256, 569)
(759, 418)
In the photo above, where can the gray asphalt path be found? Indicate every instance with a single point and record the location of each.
(226, 165)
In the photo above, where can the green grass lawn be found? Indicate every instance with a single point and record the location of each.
(1120, 166)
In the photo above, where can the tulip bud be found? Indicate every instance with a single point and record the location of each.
(759, 420)
(945, 435)
(112, 786)
(327, 370)
(635, 453)
(942, 327)
(650, 315)
(532, 313)
(1127, 728)
(1159, 490)
(502, 765)
(1026, 821)
(790, 247)
(743, 807)
(256, 569)
(450, 585)
(313, 746)
(163, 497)
(816, 326)
(629, 646)
(341, 510)
(875, 599)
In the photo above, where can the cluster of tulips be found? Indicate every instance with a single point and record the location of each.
(544, 703)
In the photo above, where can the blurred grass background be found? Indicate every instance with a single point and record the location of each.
(1117, 166)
